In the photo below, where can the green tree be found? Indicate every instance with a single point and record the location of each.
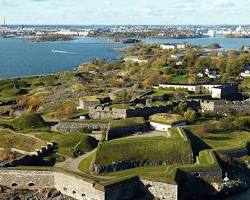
(190, 115)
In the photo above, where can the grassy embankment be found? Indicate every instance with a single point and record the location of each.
(156, 149)
(9, 139)
(207, 160)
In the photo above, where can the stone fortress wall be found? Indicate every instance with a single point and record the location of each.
(30, 158)
(83, 189)
(222, 107)
(100, 112)
(76, 126)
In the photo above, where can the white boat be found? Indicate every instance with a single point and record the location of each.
(57, 51)
(64, 52)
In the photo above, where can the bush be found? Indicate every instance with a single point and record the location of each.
(242, 122)
(190, 115)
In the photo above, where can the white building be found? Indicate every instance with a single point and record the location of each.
(195, 88)
(66, 32)
(164, 127)
(174, 46)
(168, 46)
(164, 121)
(246, 73)
(211, 33)
(134, 59)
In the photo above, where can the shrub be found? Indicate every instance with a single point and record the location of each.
(190, 115)
(242, 122)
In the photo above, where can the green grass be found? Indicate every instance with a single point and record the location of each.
(69, 143)
(85, 164)
(156, 149)
(169, 119)
(179, 79)
(168, 173)
(136, 121)
(121, 106)
(245, 82)
(18, 141)
(225, 140)
(29, 121)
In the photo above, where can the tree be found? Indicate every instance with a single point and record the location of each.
(190, 115)
(181, 107)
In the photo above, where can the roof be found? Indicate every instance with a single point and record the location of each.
(168, 119)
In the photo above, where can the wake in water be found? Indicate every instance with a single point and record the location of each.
(64, 52)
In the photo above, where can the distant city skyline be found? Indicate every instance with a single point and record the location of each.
(134, 12)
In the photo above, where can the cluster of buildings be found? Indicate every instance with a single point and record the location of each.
(217, 91)
(240, 30)
(31, 31)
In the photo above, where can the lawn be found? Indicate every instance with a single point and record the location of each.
(70, 143)
(225, 140)
(158, 149)
(18, 141)
(85, 164)
(179, 79)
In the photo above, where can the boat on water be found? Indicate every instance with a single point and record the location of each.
(58, 51)
(64, 52)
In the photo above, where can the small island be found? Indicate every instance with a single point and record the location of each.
(51, 38)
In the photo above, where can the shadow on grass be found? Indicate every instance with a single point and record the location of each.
(196, 143)
(217, 138)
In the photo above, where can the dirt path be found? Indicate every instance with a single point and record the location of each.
(73, 163)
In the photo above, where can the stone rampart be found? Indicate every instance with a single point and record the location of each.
(69, 127)
(30, 158)
(114, 113)
(26, 179)
(222, 107)
(126, 131)
(76, 187)
(83, 189)
(162, 190)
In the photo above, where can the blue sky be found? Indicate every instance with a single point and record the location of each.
(125, 11)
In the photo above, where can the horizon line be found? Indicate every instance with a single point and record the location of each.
(18, 24)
